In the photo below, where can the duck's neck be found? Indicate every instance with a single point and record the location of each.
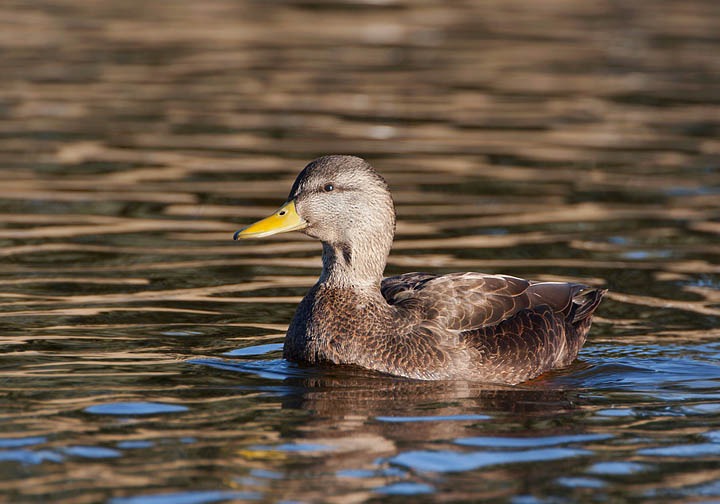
(357, 265)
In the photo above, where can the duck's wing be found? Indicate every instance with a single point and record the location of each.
(399, 287)
(466, 301)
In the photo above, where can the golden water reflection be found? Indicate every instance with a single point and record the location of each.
(562, 141)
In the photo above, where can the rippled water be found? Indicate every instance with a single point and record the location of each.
(141, 346)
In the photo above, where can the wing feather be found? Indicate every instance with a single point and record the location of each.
(467, 301)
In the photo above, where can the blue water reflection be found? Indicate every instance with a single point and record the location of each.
(255, 350)
(129, 445)
(292, 447)
(683, 450)
(197, 497)
(446, 418)
(30, 457)
(580, 482)
(134, 408)
(91, 452)
(23, 441)
(506, 442)
(404, 489)
(449, 461)
(617, 468)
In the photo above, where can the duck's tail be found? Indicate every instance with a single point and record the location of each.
(584, 304)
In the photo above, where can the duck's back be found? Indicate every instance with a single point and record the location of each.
(510, 329)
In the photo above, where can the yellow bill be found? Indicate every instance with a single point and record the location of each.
(283, 220)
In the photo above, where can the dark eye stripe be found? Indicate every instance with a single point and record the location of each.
(324, 189)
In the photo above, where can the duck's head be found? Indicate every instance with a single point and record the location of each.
(343, 202)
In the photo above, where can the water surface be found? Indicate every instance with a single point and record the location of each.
(141, 346)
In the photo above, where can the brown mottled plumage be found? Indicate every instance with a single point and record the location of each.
(473, 326)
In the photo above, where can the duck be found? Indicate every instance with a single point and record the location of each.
(468, 326)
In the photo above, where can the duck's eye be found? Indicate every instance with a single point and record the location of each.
(329, 187)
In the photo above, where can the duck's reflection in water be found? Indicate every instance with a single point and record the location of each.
(371, 394)
(416, 410)
(346, 432)
(374, 425)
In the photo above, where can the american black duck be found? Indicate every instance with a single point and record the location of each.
(470, 326)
